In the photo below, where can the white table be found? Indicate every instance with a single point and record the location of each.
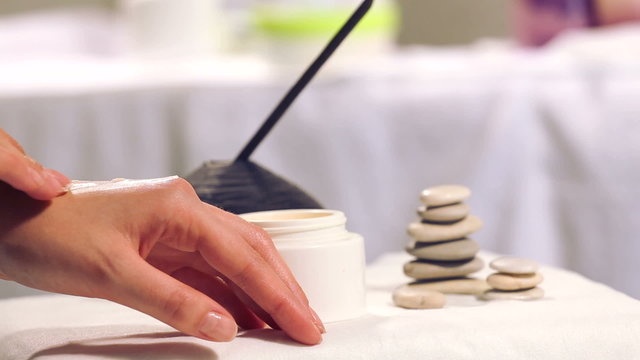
(546, 140)
(577, 319)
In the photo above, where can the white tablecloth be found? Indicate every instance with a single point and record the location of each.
(577, 319)
(546, 140)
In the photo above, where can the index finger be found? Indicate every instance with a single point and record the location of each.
(260, 241)
(225, 249)
(25, 174)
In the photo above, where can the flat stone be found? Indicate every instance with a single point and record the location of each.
(442, 269)
(503, 281)
(440, 232)
(444, 195)
(514, 265)
(448, 250)
(409, 297)
(463, 286)
(530, 294)
(443, 214)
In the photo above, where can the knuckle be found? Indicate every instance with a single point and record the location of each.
(259, 237)
(182, 186)
(174, 305)
(174, 193)
(261, 234)
(280, 305)
(246, 271)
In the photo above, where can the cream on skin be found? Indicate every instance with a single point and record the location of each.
(80, 187)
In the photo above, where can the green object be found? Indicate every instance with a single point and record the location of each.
(307, 21)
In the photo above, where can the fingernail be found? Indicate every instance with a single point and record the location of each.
(317, 321)
(60, 177)
(218, 328)
(55, 184)
(64, 183)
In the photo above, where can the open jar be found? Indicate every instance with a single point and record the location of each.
(326, 259)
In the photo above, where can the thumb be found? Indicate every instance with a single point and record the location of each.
(155, 293)
(25, 174)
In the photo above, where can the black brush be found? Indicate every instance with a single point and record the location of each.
(243, 186)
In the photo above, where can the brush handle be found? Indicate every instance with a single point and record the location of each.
(302, 82)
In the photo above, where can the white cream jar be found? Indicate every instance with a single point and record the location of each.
(326, 259)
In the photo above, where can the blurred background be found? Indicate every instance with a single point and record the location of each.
(533, 104)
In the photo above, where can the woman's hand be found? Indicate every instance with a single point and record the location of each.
(25, 174)
(156, 248)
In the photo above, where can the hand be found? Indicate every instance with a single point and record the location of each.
(158, 249)
(25, 174)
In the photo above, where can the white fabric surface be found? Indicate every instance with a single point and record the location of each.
(546, 140)
(577, 319)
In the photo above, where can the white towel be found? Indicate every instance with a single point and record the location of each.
(577, 319)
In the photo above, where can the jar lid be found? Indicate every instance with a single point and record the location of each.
(295, 220)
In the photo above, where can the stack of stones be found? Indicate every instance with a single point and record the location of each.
(516, 279)
(444, 253)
